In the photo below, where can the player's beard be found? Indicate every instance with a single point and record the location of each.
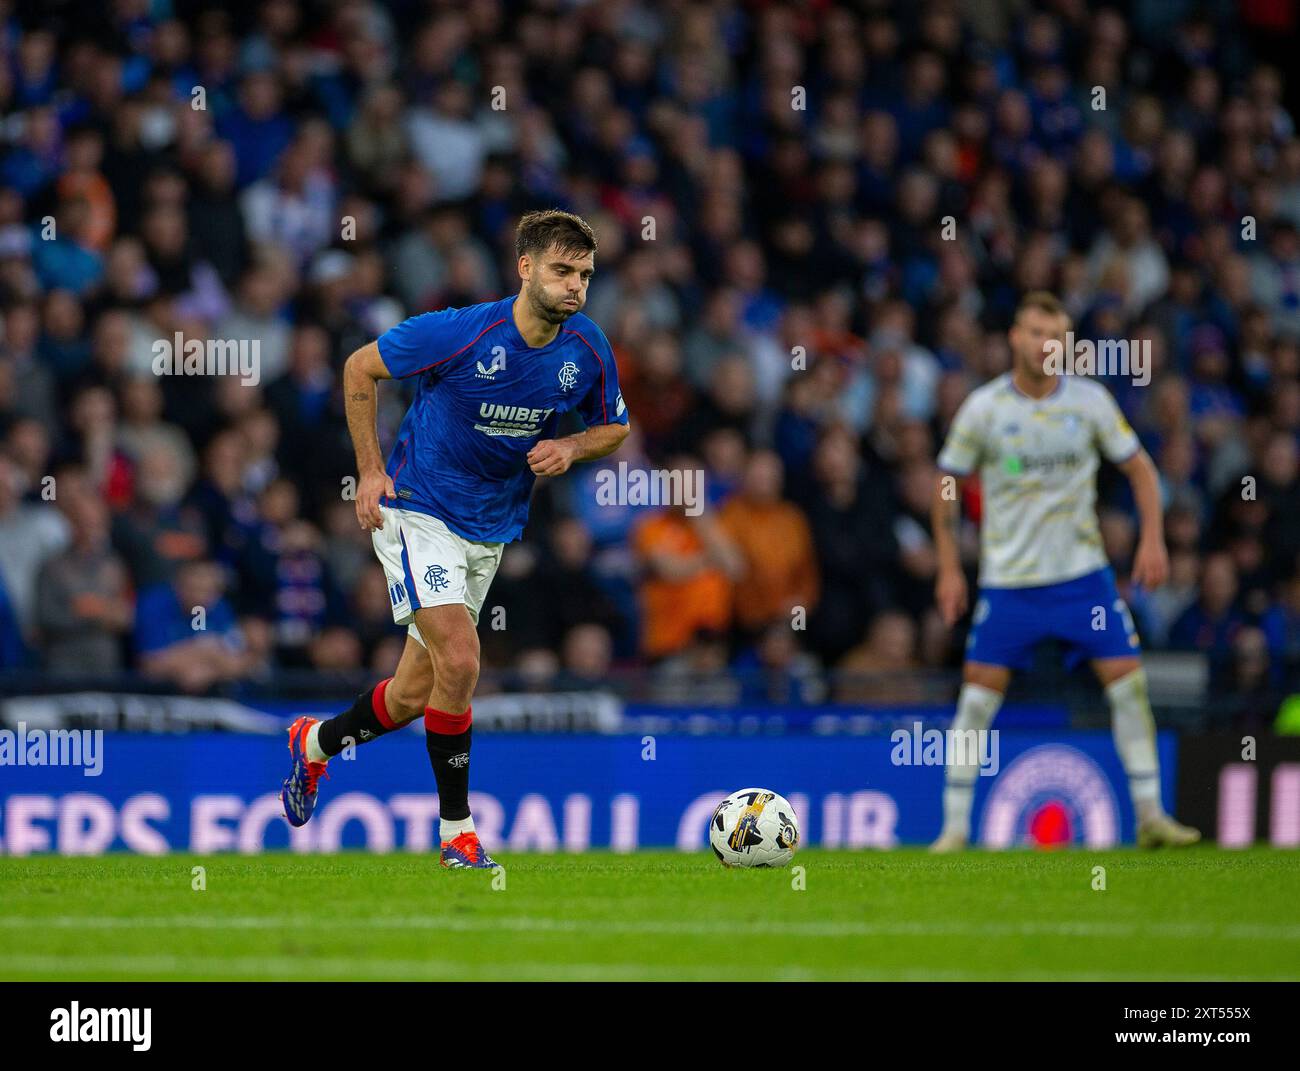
(553, 312)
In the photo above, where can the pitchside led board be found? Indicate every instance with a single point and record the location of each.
(1242, 790)
(211, 792)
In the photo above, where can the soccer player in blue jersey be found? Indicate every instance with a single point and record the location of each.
(1034, 437)
(492, 382)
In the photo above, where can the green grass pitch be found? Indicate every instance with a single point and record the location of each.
(902, 915)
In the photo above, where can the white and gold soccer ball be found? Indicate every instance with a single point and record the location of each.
(754, 827)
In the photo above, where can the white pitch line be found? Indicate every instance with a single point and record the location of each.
(414, 969)
(683, 928)
(281, 966)
(411, 969)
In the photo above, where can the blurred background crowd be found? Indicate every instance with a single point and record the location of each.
(815, 221)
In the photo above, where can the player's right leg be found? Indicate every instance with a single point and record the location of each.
(1006, 625)
(387, 706)
(982, 689)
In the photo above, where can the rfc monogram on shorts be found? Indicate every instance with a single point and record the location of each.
(427, 564)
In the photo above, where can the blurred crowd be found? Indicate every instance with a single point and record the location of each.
(814, 220)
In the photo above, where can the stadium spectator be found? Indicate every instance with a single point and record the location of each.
(690, 564)
(186, 633)
(1210, 624)
(568, 586)
(775, 541)
(1281, 628)
(32, 369)
(775, 670)
(84, 605)
(31, 532)
(849, 511)
(156, 532)
(587, 655)
(882, 669)
(1247, 694)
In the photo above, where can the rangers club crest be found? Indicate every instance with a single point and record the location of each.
(1049, 796)
(568, 375)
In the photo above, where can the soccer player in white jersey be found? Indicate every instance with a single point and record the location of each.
(1034, 439)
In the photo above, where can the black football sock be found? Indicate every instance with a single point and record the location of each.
(362, 722)
(447, 737)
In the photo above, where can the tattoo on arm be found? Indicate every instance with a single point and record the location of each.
(361, 396)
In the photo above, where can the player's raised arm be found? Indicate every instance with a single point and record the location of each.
(361, 375)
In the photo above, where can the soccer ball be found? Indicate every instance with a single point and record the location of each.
(754, 827)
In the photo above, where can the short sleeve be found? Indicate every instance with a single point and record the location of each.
(603, 402)
(1114, 437)
(424, 343)
(961, 452)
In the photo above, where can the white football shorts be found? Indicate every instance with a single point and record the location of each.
(427, 564)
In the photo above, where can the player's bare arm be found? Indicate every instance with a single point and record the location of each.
(361, 375)
(554, 457)
(945, 520)
(1151, 562)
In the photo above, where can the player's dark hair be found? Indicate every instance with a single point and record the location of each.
(1043, 301)
(552, 228)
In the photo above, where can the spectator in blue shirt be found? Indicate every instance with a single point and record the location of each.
(64, 262)
(258, 128)
(177, 643)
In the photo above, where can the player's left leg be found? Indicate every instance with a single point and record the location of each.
(1134, 731)
(401, 698)
(389, 705)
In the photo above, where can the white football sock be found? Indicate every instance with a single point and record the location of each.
(447, 829)
(312, 746)
(1134, 730)
(976, 708)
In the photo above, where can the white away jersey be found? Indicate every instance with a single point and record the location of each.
(1037, 462)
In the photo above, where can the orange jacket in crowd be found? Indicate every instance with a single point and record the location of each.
(674, 610)
(781, 564)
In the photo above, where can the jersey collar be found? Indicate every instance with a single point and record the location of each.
(1059, 386)
(518, 340)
